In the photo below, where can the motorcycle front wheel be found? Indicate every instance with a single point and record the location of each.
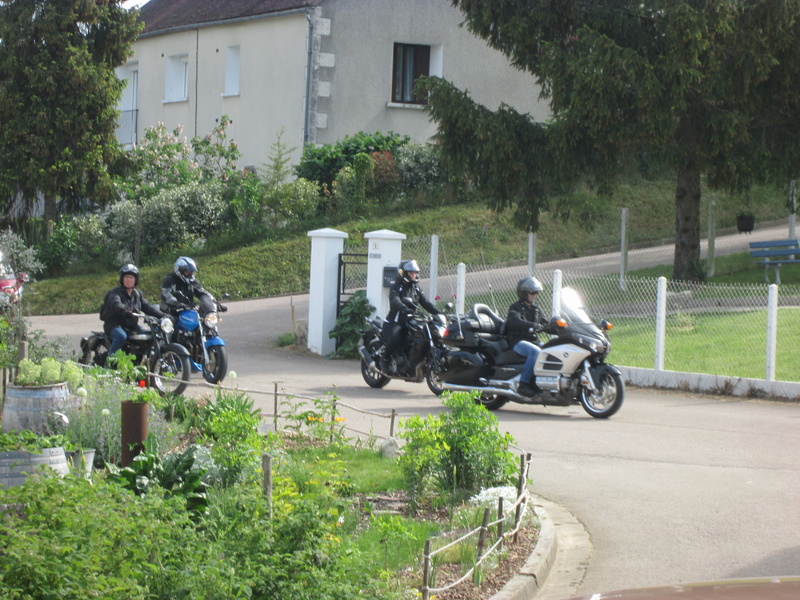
(491, 401)
(433, 381)
(607, 399)
(171, 370)
(216, 368)
(373, 378)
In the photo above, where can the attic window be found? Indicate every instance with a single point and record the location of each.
(411, 62)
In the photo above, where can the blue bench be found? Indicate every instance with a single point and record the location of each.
(774, 254)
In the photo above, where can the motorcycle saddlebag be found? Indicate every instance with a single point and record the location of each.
(464, 368)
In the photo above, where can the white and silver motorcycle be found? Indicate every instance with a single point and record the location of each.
(570, 369)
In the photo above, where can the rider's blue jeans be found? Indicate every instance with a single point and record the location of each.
(118, 337)
(530, 351)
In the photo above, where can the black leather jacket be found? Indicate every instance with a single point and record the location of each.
(118, 309)
(524, 322)
(176, 291)
(403, 299)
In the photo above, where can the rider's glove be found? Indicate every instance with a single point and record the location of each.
(181, 306)
(223, 308)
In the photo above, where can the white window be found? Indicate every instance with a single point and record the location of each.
(231, 71)
(177, 85)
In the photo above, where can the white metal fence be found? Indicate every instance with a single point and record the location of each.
(736, 339)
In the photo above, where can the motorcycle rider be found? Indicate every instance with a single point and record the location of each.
(119, 306)
(181, 287)
(525, 321)
(404, 298)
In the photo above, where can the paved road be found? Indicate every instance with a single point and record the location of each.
(674, 488)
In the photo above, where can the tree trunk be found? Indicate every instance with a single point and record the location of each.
(50, 207)
(686, 265)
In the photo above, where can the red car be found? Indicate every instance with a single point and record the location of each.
(10, 286)
(767, 588)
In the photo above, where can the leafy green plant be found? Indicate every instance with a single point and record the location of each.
(178, 474)
(49, 372)
(349, 326)
(461, 450)
(320, 423)
(30, 441)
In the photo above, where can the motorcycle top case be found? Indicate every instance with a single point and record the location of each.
(188, 320)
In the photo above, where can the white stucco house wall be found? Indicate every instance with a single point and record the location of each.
(318, 70)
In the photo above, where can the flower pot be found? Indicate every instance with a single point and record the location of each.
(80, 461)
(32, 407)
(17, 466)
(745, 223)
(134, 430)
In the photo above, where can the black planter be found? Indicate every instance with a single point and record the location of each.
(745, 223)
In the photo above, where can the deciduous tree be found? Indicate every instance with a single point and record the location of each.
(708, 86)
(59, 95)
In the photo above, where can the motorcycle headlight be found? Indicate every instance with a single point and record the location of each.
(167, 325)
(211, 319)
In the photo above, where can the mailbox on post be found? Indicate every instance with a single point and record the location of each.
(389, 276)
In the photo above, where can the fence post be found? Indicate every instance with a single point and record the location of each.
(531, 253)
(266, 468)
(661, 322)
(275, 405)
(712, 236)
(772, 331)
(623, 249)
(433, 285)
(391, 423)
(557, 282)
(520, 488)
(792, 207)
(461, 287)
(500, 518)
(482, 536)
(426, 570)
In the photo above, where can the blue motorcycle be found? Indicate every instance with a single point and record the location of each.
(196, 330)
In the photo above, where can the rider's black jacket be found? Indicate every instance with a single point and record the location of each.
(175, 291)
(403, 299)
(524, 322)
(118, 308)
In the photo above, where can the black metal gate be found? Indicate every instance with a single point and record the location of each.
(350, 280)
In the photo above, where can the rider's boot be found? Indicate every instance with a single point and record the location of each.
(528, 389)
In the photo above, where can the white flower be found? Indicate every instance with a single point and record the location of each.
(105, 412)
(81, 391)
(232, 374)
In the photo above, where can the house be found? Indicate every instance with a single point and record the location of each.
(318, 70)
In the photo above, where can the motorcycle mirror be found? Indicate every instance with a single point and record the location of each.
(606, 325)
(559, 322)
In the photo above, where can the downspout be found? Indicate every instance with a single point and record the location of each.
(196, 76)
(306, 126)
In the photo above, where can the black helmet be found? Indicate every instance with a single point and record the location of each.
(406, 268)
(185, 268)
(529, 285)
(129, 269)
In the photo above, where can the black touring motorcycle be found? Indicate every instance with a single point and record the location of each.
(472, 354)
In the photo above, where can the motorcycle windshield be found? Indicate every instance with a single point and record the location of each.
(572, 308)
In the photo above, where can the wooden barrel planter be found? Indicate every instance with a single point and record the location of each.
(32, 407)
(17, 466)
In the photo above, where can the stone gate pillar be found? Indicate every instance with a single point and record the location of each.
(326, 246)
(384, 249)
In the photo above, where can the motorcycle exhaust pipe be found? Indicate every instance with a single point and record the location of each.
(362, 350)
(486, 390)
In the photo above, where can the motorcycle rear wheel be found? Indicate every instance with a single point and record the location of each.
(216, 368)
(94, 353)
(171, 370)
(607, 399)
(373, 378)
(491, 401)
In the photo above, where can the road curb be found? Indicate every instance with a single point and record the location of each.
(532, 575)
(558, 560)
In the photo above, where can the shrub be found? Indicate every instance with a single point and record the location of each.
(323, 163)
(350, 325)
(419, 166)
(461, 450)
